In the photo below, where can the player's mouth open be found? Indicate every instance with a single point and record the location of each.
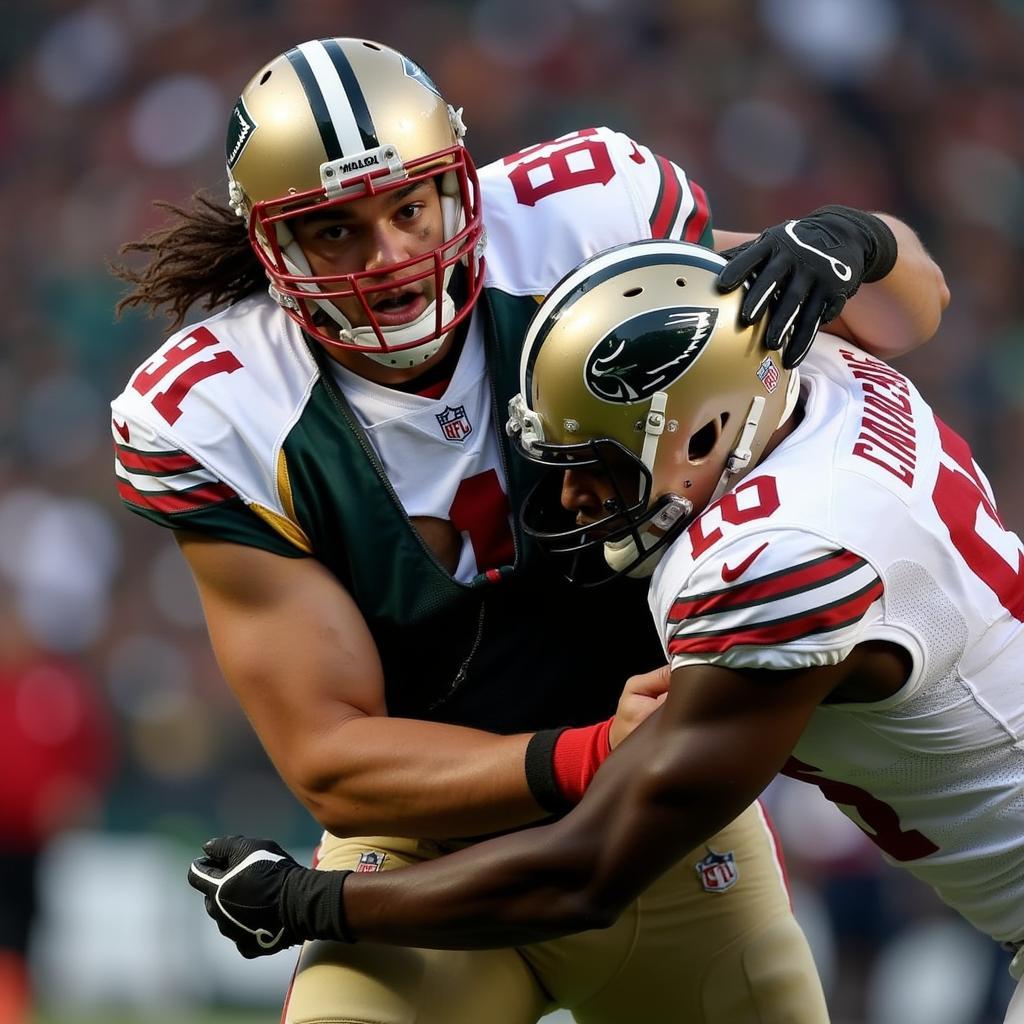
(398, 307)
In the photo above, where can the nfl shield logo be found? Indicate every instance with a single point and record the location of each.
(768, 374)
(370, 861)
(454, 424)
(718, 872)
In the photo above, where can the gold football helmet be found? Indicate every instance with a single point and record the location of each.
(331, 121)
(637, 364)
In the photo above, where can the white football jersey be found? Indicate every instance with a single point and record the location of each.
(871, 521)
(430, 447)
(205, 419)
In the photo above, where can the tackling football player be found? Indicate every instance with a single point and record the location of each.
(332, 459)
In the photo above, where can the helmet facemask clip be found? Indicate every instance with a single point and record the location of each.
(347, 176)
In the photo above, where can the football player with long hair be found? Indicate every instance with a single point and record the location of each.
(330, 453)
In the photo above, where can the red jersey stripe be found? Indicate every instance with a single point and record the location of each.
(960, 452)
(780, 856)
(697, 222)
(666, 206)
(156, 464)
(806, 576)
(175, 501)
(819, 620)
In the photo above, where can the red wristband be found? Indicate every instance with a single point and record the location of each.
(577, 755)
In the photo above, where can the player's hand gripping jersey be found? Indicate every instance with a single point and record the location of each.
(872, 522)
(243, 429)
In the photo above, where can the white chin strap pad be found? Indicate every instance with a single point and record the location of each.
(620, 553)
(365, 338)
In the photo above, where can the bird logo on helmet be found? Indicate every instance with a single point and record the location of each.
(629, 363)
(636, 359)
(327, 123)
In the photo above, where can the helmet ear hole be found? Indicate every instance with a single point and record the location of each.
(702, 443)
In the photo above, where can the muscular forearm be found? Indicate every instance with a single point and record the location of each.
(903, 309)
(395, 776)
(570, 876)
(654, 800)
(507, 892)
(298, 655)
(528, 886)
(659, 796)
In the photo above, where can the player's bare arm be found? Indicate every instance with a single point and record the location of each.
(297, 653)
(672, 786)
(892, 315)
(719, 739)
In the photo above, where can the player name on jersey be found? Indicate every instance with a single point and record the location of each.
(887, 435)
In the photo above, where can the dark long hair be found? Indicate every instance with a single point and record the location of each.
(202, 255)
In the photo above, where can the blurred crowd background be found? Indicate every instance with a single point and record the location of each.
(115, 726)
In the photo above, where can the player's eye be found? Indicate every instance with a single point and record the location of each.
(409, 211)
(333, 232)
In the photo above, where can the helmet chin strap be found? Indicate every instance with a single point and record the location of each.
(619, 554)
(367, 340)
(622, 553)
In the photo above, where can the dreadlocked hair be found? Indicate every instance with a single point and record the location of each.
(203, 255)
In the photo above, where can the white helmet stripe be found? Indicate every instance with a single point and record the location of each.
(335, 97)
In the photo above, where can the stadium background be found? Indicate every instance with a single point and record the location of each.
(775, 107)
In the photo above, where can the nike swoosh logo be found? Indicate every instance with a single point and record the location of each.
(731, 575)
(636, 156)
(122, 429)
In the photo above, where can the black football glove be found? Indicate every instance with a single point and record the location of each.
(263, 900)
(805, 270)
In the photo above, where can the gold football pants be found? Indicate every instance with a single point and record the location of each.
(693, 949)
